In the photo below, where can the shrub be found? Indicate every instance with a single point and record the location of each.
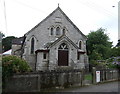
(112, 63)
(13, 64)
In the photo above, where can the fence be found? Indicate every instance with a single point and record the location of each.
(106, 75)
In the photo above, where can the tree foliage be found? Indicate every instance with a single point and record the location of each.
(7, 43)
(98, 45)
(115, 52)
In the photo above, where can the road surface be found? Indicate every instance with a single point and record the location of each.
(104, 87)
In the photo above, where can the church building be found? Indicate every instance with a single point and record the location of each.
(55, 43)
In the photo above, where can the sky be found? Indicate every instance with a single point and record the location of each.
(17, 17)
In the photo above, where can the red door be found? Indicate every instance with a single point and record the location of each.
(62, 57)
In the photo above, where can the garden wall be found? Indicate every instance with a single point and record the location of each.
(37, 81)
(32, 82)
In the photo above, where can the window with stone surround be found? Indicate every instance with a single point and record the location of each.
(44, 55)
(51, 31)
(58, 31)
(80, 44)
(63, 31)
(32, 45)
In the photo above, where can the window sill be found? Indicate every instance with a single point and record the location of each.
(45, 60)
(81, 50)
(57, 36)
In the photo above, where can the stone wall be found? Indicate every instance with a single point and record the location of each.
(34, 82)
(26, 83)
(38, 81)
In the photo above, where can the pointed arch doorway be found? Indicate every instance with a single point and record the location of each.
(63, 55)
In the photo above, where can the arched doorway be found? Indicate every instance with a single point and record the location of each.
(63, 55)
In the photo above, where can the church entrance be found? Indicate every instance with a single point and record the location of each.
(63, 55)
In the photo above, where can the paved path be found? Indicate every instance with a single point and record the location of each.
(104, 87)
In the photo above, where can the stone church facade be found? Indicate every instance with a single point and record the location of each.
(55, 43)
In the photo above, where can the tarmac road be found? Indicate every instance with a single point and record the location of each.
(104, 87)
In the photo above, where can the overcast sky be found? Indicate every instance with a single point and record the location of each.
(87, 15)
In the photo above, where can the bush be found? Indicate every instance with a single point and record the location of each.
(112, 63)
(13, 64)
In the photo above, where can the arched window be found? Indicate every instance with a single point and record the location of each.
(80, 44)
(63, 46)
(32, 45)
(63, 30)
(51, 31)
(58, 31)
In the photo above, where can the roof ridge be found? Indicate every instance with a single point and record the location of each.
(71, 22)
(43, 20)
(58, 8)
(64, 36)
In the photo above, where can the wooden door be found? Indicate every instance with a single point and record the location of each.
(63, 55)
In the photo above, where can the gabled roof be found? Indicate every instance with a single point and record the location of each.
(63, 37)
(58, 8)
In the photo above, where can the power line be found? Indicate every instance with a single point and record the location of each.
(29, 6)
(98, 8)
(103, 9)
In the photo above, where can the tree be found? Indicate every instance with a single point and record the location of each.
(115, 52)
(7, 43)
(98, 45)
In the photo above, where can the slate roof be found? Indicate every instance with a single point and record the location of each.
(58, 8)
(18, 41)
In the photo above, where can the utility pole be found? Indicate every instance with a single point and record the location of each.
(5, 17)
